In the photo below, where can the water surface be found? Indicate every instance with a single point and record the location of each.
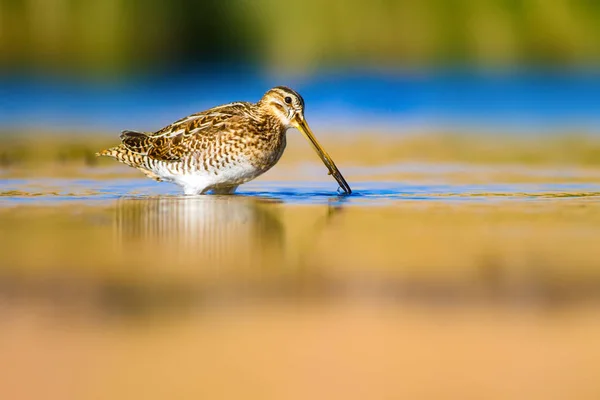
(289, 290)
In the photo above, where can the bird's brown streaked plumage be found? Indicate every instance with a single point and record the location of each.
(220, 148)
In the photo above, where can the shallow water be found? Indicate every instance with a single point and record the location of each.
(289, 290)
(42, 191)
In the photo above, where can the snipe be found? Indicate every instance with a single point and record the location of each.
(219, 149)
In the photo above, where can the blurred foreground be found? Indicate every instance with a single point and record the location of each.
(446, 275)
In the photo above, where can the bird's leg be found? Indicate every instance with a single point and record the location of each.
(224, 189)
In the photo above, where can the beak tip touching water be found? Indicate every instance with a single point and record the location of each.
(302, 126)
(346, 189)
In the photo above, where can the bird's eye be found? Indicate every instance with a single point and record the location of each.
(288, 100)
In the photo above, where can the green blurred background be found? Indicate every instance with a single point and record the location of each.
(115, 36)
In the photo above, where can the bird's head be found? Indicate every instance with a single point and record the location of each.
(287, 106)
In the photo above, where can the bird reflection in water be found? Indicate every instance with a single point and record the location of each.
(177, 250)
(218, 230)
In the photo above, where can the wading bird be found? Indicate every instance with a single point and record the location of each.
(219, 149)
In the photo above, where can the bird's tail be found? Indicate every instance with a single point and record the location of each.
(112, 152)
(128, 157)
(124, 155)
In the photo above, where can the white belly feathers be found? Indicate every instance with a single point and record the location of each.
(198, 181)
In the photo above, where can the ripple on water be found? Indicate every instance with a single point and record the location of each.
(364, 193)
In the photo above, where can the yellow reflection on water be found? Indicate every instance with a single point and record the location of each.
(208, 230)
(244, 297)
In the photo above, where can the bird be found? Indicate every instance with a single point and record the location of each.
(216, 150)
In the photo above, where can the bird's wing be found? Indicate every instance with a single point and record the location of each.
(190, 134)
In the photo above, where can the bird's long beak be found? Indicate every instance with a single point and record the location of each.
(300, 123)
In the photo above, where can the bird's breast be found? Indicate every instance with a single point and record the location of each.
(266, 156)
